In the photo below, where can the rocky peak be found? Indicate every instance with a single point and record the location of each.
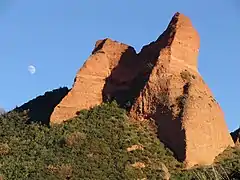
(180, 41)
(190, 121)
(183, 39)
(93, 78)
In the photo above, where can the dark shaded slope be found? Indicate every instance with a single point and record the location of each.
(40, 109)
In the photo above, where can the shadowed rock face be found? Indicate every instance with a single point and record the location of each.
(161, 82)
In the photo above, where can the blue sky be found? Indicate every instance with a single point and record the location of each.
(57, 36)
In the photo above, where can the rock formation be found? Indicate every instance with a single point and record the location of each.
(189, 119)
(161, 82)
(236, 136)
(90, 80)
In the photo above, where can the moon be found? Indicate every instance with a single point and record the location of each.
(31, 69)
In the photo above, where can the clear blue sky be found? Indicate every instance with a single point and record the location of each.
(57, 36)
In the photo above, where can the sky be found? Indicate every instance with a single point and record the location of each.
(57, 36)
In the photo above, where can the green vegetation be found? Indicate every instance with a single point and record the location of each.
(91, 146)
(226, 167)
(94, 145)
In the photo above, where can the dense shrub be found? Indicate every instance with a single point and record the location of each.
(226, 167)
(95, 145)
(91, 146)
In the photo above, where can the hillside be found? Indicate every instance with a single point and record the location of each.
(100, 143)
(128, 115)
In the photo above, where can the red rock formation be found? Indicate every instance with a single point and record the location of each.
(90, 79)
(189, 119)
(161, 82)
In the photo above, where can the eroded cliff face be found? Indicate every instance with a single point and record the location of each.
(90, 79)
(189, 119)
(161, 82)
